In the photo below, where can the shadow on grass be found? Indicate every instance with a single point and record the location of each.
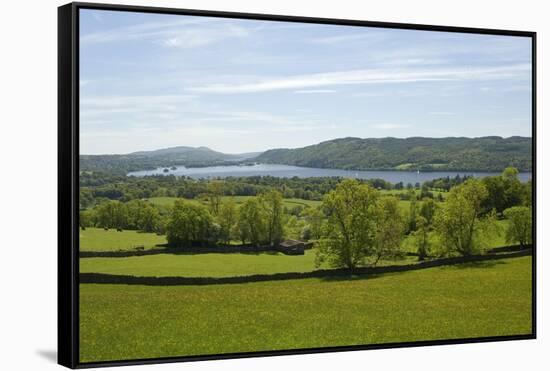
(479, 264)
(180, 252)
(358, 277)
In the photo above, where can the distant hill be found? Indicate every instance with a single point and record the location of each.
(166, 157)
(416, 153)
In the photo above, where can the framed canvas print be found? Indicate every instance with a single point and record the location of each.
(236, 185)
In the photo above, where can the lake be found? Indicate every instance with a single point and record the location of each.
(286, 171)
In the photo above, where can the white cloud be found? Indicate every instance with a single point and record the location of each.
(372, 76)
(340, 39)
(315, 91)
(200, 37)
(183, 33)
(390, 126)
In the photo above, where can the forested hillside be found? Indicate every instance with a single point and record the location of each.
(144, 160)
(468, 154)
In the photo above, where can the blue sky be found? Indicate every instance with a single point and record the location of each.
(152, 81)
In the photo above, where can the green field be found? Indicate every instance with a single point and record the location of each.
(288, 202)
(98, 239)
(208, 265)
(465, 301)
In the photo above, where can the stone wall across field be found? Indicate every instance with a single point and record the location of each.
(230, 249)
(323, 273)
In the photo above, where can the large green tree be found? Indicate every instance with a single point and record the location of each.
(112, 214)
(350, 233)
(252, 224)
(227, 218)
(460, 223)
(272, 203)
(189, 224)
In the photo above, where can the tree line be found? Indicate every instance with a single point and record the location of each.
(356, 224)
(364, 226)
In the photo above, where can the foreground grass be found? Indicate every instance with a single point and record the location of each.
(98, 239)
(466, 301)
(208, 265)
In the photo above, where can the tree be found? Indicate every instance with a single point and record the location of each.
(215, 194)
(520, 227)
(112, 214)
(504, 191)
(227, 217)
(427, 210)
(459, 222)
(315, 219)
(142, 216)
(390, 228)
(252, 222)
(421, 238)
(294, 227)
(272, 203)
(86, 219)
(527, 193)
(350, 234)
(189, 224)
(86, 198)
(150, 219)
(412, 211)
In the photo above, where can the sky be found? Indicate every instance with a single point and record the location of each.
(151, 81)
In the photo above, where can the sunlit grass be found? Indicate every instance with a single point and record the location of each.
(466, 301)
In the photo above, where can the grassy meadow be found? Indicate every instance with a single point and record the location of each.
(210, 265)
(468, 301)
(98, 239)
(460, 301)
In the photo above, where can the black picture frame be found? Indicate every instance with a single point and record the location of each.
(68, 179)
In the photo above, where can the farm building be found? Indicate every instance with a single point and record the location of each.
(293, 247)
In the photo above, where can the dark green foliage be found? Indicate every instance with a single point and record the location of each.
(464, 154)
(362, 227)
(96, 187)
(189, 224)
(252, 222)
(506, 190)
(272, 202)
(111, 214)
